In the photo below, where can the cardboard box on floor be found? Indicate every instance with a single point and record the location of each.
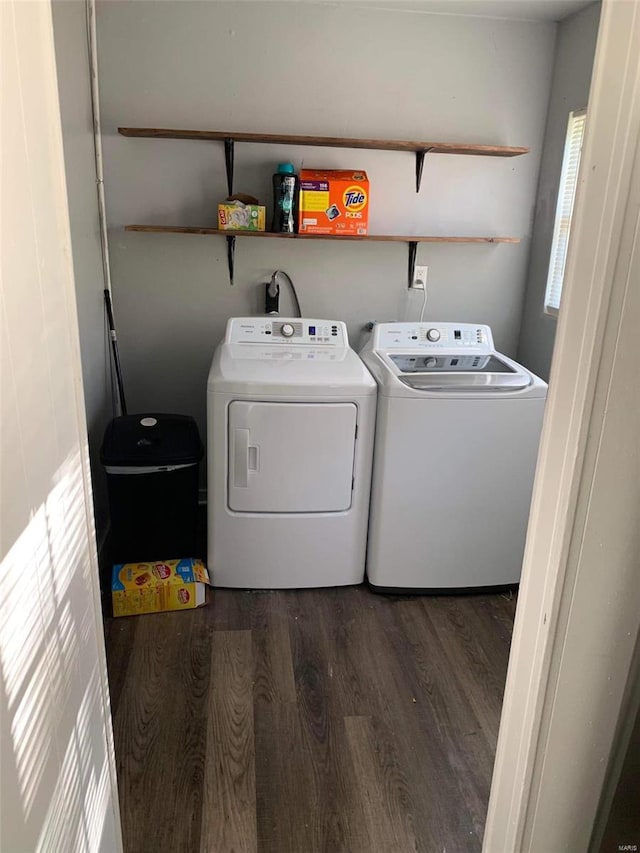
(158, 586)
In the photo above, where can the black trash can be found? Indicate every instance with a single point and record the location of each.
(152, 479)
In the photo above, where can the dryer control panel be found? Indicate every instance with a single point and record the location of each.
(285, 330)
(433, 337)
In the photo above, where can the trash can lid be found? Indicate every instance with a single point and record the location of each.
(151, 439)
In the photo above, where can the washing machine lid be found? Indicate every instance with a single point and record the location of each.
(494, 374)
(456, 372)
(456, 359)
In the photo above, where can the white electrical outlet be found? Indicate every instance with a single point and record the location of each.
(419, 277)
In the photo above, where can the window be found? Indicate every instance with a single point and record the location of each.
(564, 210)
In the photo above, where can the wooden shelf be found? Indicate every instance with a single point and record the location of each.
(388, 238)
(419, 148)
(327, 141)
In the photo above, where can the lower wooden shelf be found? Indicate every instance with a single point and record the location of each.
(389, 238)
(411, 240)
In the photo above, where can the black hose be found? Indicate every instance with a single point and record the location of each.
(292, 286)
(114, 350)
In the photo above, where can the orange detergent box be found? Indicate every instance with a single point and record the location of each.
(154, 587)
(333, 202)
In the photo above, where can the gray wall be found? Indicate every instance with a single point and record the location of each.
(311, 69)
(70, 34)
(575, 50)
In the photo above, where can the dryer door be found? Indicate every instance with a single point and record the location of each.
(290, 457)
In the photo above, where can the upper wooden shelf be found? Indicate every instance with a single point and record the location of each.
(388, 238)
(327, 141)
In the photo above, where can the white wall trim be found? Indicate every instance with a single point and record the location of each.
(547, 626)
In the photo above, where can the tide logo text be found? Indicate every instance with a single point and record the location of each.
(354, 198)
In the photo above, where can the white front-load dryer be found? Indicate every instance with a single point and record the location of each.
(290, 425)
(457, 433)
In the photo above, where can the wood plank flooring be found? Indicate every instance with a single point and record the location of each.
(315, 721)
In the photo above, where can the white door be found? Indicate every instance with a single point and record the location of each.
(291, 457)
(57, 771)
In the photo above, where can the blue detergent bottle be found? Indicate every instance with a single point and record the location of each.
(285, 199)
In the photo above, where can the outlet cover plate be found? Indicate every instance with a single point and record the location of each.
(419, 277)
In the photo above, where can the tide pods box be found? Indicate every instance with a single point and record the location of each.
(333, 202)
(154, 587)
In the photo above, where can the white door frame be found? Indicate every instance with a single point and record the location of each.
(579, 609)
(58, 785)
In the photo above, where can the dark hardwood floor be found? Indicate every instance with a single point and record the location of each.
(309, 722)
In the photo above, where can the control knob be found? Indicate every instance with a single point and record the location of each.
(286, 330)
(430, 362)
(433, 335)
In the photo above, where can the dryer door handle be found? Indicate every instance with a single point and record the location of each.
(253, 457)
(246, 457)
(241, 458)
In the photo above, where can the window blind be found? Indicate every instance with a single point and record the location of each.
(564, 209)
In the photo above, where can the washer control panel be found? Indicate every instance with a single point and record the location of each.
(286, 330)
(433, 336)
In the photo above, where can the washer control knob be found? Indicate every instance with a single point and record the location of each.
(433, 335)
(286, 330)
(430, 362)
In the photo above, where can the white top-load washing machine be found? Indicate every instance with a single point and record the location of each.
(291, 418)
(457, 433)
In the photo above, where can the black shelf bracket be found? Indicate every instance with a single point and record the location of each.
(231, 251)
(413, 246)
(420, 165)
(228, 162)
(231, 241)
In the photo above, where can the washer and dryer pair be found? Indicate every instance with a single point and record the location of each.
(291, 424)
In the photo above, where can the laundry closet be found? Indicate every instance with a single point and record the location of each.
(457, 114)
